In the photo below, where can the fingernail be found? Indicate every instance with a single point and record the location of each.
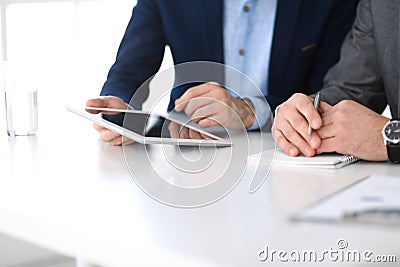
(292, 152)
(314, 123)
(314, 142)
(307, 151)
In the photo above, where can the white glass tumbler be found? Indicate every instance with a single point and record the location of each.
(20, 87)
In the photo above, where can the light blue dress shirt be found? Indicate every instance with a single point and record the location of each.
(248, 35)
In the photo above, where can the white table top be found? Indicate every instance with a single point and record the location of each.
(65, 190)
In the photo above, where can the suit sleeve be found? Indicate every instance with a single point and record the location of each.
(357, 75)
(139, 55)
(335, 30)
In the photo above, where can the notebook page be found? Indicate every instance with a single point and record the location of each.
(320, 161)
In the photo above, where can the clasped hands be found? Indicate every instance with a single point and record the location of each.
(345, 128)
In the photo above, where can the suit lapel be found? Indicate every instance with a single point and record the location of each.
(211, 20)
(285, 27)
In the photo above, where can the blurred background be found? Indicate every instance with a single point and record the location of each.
(72, 43)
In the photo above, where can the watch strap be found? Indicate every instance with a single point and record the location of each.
(393, 152)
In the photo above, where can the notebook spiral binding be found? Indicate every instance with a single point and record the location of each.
(349, 159)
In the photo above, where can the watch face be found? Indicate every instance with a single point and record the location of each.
(392, 131)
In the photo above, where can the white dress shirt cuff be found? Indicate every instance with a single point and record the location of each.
(262, 111)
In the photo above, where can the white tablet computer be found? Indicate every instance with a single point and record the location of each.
(150, 128)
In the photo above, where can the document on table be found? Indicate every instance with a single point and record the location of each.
(327, 161)
(374, 199)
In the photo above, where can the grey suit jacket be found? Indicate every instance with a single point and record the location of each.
(369, 68)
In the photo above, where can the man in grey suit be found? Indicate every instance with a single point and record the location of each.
(355, 92)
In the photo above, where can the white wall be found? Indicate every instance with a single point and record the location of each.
(72, 42)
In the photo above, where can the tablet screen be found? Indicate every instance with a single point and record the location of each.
(150, 125)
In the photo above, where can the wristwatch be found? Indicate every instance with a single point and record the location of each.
(391, 137)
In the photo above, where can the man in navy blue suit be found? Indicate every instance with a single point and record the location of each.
(283, 46)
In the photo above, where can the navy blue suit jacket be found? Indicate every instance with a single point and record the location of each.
(307, 39)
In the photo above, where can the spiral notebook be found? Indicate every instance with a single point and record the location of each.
(326, 161)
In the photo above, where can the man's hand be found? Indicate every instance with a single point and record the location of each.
(290, 128)
(183, 132)
(351, 128)
(107, 135)
(209, 105)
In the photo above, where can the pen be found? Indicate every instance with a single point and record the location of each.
(317, 100)
(389, 215)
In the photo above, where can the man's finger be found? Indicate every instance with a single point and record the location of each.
(173, 130)
(204, 112)
(184, 133)
(328, 118)
(299, 123)
(204, 136)
(326, 131)
(208, 122)
(106, 102)
(306, 107)
(285, 145)
(98, 127)
(295, 138)
(194, 134)
(324, 107)
(327, 146)
(117, 141)
(127, 141)
(273, 131)
(96, 102)
(108, 135)
(191, 93)
(195, 104)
